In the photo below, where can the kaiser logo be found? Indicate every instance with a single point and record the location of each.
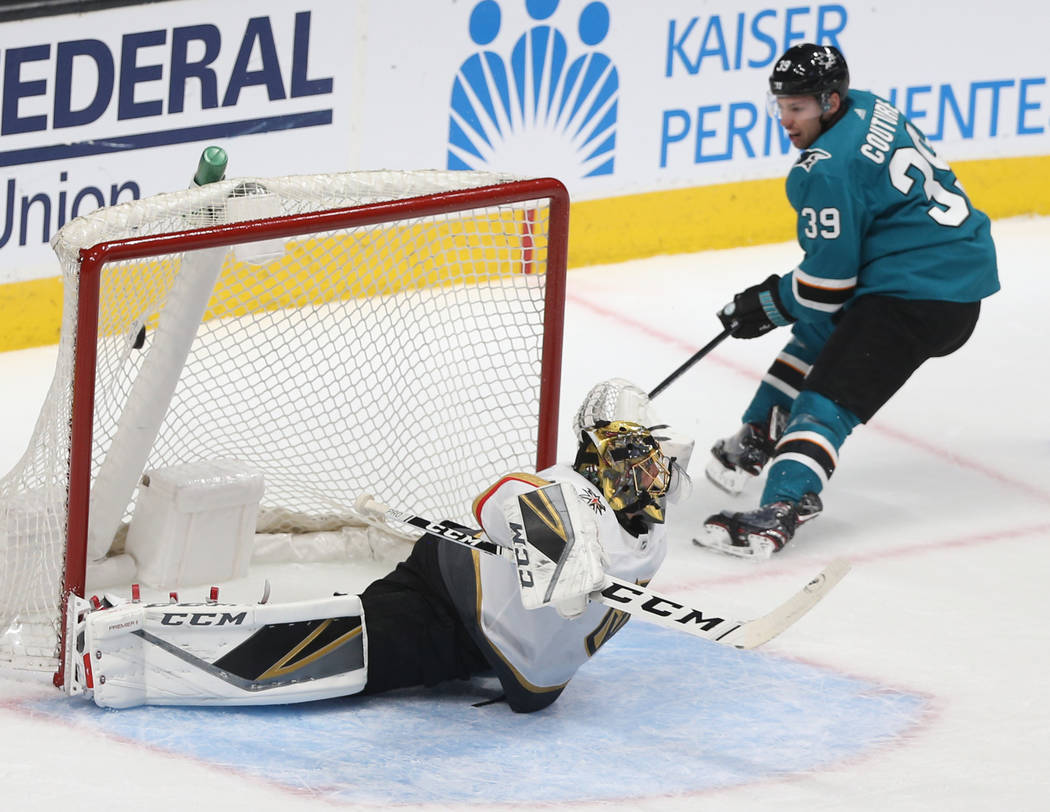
(546, 94)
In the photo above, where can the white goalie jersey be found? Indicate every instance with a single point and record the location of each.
(535, 652)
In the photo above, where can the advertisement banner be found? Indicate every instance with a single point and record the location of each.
(613, 97)
(618, 97)
(109, 106)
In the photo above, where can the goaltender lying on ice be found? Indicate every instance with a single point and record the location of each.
(559, 566)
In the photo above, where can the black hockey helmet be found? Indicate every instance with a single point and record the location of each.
(810, 70)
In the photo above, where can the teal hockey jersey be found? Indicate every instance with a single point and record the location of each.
(880, 213)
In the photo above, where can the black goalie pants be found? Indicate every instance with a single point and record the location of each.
(415, 635)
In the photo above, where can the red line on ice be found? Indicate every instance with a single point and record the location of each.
(877, 427)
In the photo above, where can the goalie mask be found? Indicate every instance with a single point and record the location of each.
(626, 462)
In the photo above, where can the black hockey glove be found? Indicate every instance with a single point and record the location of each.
(756, 310)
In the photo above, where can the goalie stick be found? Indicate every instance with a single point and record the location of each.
(645, 603)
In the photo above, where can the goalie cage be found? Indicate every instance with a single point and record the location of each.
(404, 341)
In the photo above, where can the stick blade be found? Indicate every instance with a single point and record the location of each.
(763, 629)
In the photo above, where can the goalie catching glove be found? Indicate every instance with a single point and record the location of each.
(559, 558)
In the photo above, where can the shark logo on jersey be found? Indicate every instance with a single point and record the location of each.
(592, 500)
(808, 159)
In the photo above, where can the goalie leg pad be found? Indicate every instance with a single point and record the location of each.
(225, 654)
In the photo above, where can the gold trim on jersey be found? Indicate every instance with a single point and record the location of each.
(518, 676)
(611, 622)
(520, 476)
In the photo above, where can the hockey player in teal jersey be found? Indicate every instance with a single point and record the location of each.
(896, 262)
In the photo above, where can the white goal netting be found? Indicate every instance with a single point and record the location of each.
(400, 355)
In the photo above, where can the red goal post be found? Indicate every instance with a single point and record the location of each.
(481, 267)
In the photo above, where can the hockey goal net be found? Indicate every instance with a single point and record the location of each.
(394, 333)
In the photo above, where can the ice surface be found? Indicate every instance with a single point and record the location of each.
(918, 683)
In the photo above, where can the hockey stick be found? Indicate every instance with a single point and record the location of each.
(647, 604)
(700, 353)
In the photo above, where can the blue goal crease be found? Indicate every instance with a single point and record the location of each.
(654, 713)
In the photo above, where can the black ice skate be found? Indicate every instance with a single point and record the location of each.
(758, 533)
(739, 458)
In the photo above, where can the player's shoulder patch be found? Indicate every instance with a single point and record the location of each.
(592, 499)
(809, 158)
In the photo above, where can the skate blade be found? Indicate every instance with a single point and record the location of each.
(716, 538)
(730, 480)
